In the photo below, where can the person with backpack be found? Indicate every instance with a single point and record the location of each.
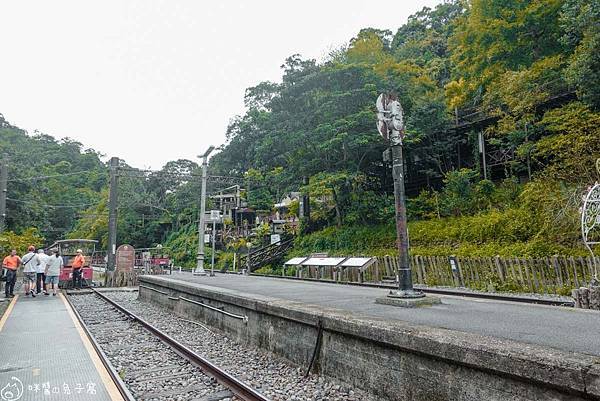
(11, 264)
(30, 262)
(53, 266)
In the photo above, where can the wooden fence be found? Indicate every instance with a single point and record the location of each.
(553, 275)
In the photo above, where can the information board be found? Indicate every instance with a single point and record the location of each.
(295, 261)
(356, 262)
(323, 261)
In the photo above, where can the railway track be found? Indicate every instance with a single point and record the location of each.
(147, 364)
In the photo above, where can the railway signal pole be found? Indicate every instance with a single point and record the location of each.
(112, 215)
(202, 218)
(3, 190)
(390, 124)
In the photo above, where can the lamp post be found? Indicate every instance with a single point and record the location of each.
(248, 246)
(200, 257)
(215, 215)
(391, 126)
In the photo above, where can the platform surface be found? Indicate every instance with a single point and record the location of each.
(43, 357)
(567, 329)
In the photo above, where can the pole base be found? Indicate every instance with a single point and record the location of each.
(406, 294)
(408, 300)
(199, 272)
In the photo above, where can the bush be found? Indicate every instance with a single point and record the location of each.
(539, 219)
(10, 240)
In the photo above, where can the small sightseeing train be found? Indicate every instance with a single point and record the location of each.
(147, 260)
(68, 250)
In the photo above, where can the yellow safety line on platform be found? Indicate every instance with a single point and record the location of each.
(110, 386)
(8, 311)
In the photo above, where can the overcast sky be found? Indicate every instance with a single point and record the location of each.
(151, 81)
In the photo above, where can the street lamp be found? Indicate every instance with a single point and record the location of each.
(200, 257)
(390, 123)
(215, 215)
(248, 247)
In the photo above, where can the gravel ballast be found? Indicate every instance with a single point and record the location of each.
(273, 376)
(151, 370)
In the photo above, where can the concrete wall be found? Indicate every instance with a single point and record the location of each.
(396, 360)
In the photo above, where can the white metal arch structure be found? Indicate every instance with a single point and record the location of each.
(590, 220)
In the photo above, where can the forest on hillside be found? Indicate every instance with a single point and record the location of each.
(524, 75)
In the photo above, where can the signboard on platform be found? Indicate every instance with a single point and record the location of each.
(275, 239)
(323, 261)
(125, 258)
(295, 261)
(356, 262)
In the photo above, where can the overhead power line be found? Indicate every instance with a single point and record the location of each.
(125, 172)
(43, 177)
(82, 205)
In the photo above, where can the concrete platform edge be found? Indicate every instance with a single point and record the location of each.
(570, 374)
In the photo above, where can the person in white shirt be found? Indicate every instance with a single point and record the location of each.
(30, 262)
(53, 266)
(41, 271)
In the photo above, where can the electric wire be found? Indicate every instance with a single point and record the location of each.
(43, 177)
(127, 172)
(82, 205)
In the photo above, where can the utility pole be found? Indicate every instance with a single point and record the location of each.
(201, 223)
(404, 269)
(391, 126)
(3, 190)
(482, 151)
(306, 200)
(112, 215)
(212, 256)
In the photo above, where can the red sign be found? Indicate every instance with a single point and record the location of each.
(125, 258)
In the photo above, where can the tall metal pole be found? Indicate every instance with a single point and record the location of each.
(3, 191)
(482, 151)
(112, 214)
(306, 199)
(391, 126)
(212, 258)
(404, 271)
(201, 223)
(248, 246)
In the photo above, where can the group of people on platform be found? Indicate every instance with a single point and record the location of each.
(39, 270)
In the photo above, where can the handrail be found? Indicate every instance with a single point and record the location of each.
(199, 303)
(266, 253)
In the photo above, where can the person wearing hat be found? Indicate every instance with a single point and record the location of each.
(30, 262)
(77, 265)
(55, 263)
(11, 264)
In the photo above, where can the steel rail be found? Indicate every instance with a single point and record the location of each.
(114, 375)
(239, 388)
(440, 291)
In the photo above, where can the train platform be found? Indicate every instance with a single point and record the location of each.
(45, 354)
(562, 328)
